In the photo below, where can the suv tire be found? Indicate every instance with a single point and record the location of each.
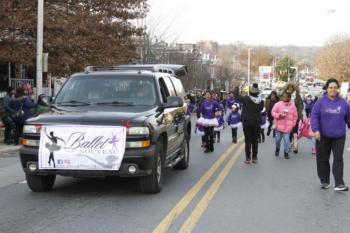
(40, 183)
(153, 183)
(185, 151)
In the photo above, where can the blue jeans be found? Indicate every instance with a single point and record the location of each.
(285, 136)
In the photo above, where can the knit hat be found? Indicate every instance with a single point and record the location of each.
(254, 89)
(236, 106)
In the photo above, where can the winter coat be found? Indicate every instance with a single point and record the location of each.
(330, 117)
(252, 107)
(286, 124)
(26, 104)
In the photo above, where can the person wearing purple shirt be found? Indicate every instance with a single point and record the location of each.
(234, 120)
(308, 103)
(230, 102)
(329, 118)
(220, 126)
(208, 109)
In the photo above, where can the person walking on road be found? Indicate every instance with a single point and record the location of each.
(252, 107)
(230, 102)
(262, 126)
(285, 115)
(308, 103)
(199, 100)
(294, 90)
(209, 121)
(221, 124)
(329, 118)
(271, 100)
(234, 120)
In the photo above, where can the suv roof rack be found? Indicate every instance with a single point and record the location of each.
(176, 70)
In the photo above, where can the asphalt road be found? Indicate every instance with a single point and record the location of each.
(217, 193)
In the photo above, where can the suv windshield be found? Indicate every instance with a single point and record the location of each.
(108, 90)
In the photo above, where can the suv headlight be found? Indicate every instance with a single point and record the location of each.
(31, 129)
(138, 131)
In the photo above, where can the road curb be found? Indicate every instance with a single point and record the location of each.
(8, 148)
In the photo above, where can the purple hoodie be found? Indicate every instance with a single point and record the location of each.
(209, 107)
(221, 121)
(263, 119)
(308, 104)
(330, 117)
(234, 118)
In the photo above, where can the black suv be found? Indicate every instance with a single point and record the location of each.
(158, 130)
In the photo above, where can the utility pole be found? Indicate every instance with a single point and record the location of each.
(39, 49)
(288, 78)
(248, 67)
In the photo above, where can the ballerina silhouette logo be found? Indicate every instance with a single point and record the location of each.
(53, 146)
(114, 141)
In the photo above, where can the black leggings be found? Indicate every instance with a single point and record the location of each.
(217, 134)
(234, 133)
(251, 136)
(308, 112)
(262, 135)
(209, 138)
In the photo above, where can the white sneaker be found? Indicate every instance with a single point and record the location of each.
(325, 186)
(341, 188)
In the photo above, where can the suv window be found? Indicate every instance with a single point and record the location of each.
(136, 90)
(163, 90)
(179, 88)
(170, 86)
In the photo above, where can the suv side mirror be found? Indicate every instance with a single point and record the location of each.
(45, 100)
(174, 102)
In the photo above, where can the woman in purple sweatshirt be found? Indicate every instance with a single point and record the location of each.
(209, 121)
(329, 118)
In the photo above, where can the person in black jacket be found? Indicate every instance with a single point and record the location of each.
(7, 118)
(252, 106)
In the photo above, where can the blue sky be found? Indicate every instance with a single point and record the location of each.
(268, 22)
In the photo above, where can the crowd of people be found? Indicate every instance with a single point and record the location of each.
(324, 123)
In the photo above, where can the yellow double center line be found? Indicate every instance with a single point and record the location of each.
(186, 200)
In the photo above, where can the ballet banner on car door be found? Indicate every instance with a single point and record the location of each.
(81, 147)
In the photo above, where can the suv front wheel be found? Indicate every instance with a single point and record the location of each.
(40, 183)
(153, 182)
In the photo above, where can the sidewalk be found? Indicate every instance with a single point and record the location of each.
(8, 148)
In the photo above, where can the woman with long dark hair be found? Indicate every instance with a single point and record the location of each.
(271, 100)
(329, 118)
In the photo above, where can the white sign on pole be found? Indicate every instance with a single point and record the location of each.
(265, 72)
(82, 147)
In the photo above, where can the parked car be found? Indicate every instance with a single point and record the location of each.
(144, 101)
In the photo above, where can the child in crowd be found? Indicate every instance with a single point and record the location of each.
(234, 120)
(219, 116)
(199, 129)
(308, 103)
(263, 120)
